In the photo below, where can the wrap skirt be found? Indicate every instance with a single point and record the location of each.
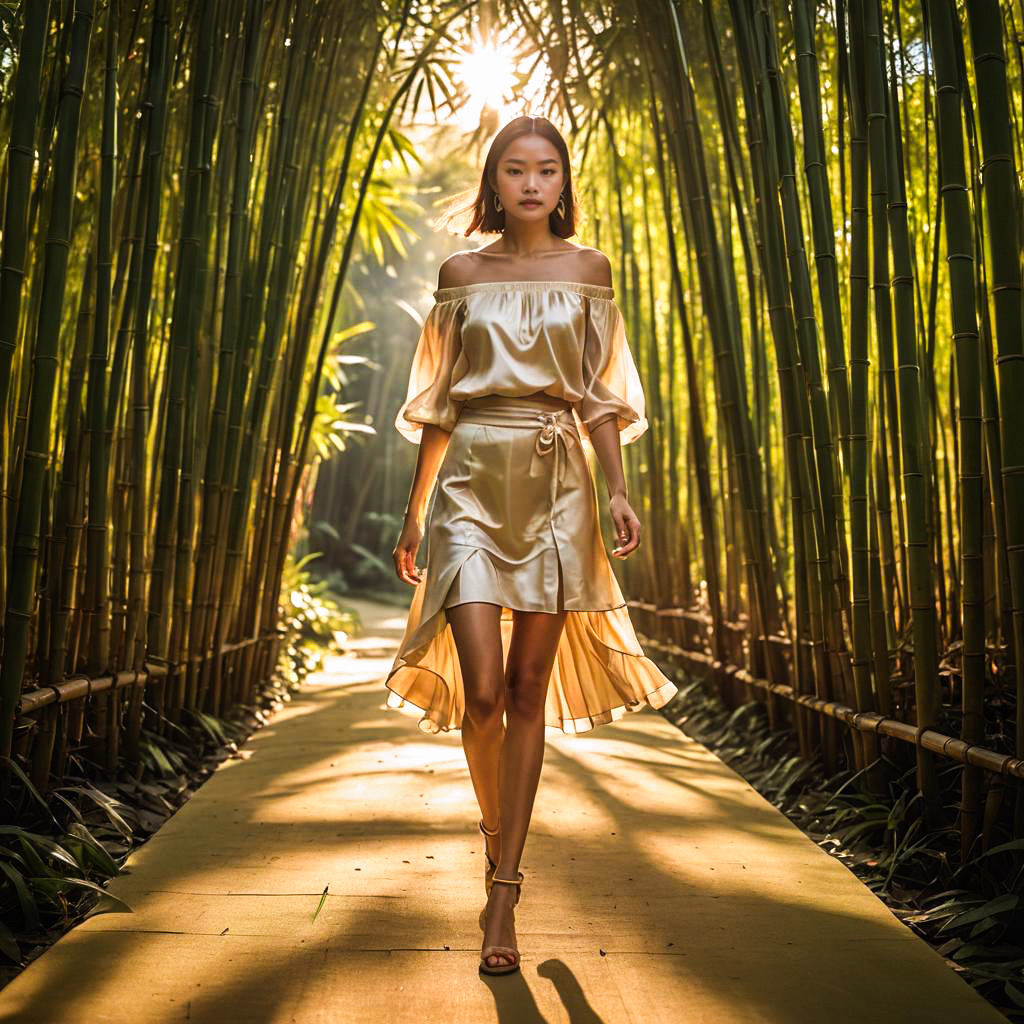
(513, 521)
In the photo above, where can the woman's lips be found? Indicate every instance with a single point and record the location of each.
(529, 202)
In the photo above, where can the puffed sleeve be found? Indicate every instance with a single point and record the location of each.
(611, 384)
(435, 366)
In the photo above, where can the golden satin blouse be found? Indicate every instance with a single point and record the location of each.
(514, 338)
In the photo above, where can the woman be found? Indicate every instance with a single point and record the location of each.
(519, 615)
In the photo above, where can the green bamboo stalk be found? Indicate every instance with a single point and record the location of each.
(859, 465)
(20, 159)
(96, 608)
(886, 164)
(889, 407)
(188, 301)
(29, 500)
(138, 329)
(998, 607)
(698, 435)
(816, 170)
(881, 626)
(1002, 212)
(64, 543)
(228, 375)
(942, 22)
(669, 515)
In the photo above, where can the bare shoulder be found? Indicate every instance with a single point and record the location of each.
(594, 267)
(457, 270)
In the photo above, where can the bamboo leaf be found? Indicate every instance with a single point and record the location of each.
(999, 905)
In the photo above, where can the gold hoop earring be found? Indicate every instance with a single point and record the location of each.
(497, 203)
(561, 207)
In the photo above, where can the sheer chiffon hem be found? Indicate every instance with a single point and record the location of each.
(600, 671)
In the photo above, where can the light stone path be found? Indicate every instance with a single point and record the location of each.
(660, 888)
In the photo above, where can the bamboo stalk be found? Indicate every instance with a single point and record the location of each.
(29, 502)
(942, 18)
(1002, 212)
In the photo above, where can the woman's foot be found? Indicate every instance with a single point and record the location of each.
(499, 928)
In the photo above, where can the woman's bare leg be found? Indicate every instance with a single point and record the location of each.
(476, 628)
(531, 656)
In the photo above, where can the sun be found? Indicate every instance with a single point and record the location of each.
(488, 73)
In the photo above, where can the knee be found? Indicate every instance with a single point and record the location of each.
(484, 703)
(527, 692)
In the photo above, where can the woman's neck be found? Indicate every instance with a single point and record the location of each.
(526, 242)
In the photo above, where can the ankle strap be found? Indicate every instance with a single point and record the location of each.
(511, 881)
(485, 831)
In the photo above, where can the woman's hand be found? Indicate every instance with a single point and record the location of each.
(405, 553)
(627, 526)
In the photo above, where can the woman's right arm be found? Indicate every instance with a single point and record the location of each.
(433, 443)
(428, 415)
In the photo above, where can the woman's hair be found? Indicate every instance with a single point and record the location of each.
(480, 215)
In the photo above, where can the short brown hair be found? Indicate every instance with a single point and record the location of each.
(484, 218)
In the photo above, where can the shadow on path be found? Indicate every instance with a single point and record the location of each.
(659, 888)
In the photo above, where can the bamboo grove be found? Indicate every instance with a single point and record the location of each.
(815, 212)
(185, 187)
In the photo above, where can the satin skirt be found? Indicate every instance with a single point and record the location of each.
(513, 521)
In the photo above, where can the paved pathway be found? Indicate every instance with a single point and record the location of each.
(660, 888)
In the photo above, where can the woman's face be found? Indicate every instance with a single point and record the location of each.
(529, 178)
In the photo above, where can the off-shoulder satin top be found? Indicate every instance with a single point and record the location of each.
(515, 338)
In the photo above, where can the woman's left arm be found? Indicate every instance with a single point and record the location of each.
(604, 436)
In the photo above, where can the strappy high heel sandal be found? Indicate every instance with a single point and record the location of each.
(490, 867)
(510, 952)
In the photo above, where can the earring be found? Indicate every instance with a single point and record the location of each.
(561, 207)
(497, 203)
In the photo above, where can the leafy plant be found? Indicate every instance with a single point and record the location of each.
(310, 615)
